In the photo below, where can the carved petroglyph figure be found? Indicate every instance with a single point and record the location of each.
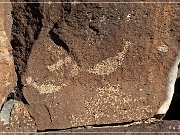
(44, 88)
(105, 67)
(109, 65)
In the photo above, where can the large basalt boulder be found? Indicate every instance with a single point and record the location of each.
(102, 63)
(8, 77)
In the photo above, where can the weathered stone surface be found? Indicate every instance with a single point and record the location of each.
(16, 118)
(161, 127)
(146, 127)
(101, 63)
(7, 71)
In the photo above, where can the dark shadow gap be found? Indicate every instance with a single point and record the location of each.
(174, 110)
(86, 126)
(58, 41)
(22, 39)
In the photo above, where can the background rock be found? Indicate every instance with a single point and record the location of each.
(161, 127)
(19, 120)
(8, 77)
(14, 115)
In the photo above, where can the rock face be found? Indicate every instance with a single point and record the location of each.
(147, 128)
(8, 77)
(16, 118)
(96, 63)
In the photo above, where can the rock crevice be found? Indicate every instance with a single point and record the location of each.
(26, 27)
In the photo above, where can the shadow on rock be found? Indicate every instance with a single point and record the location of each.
(174, 110)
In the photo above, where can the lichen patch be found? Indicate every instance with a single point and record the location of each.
(6, 112)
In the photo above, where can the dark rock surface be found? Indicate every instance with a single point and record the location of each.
(16, 118)
(97, 63)
(91, 66)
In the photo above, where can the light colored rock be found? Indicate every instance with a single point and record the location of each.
(8, 77)
(17, 118)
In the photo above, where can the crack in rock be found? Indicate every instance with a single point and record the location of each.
(170, 89)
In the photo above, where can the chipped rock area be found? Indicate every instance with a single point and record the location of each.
(8, 77)
(87, 64)
(16, 118)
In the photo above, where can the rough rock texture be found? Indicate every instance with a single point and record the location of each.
(18, 120)
(95, 63)
(14, 116)
(161, 127)
(8, 77)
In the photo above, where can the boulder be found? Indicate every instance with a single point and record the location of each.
(15, 118)
(8, 77)
(99, 63)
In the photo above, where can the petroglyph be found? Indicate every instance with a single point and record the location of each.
(111, 96)
(69, 63)
(110, 65)
(75, 70)
(59, 64)
(105, 67)
(44, 88)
